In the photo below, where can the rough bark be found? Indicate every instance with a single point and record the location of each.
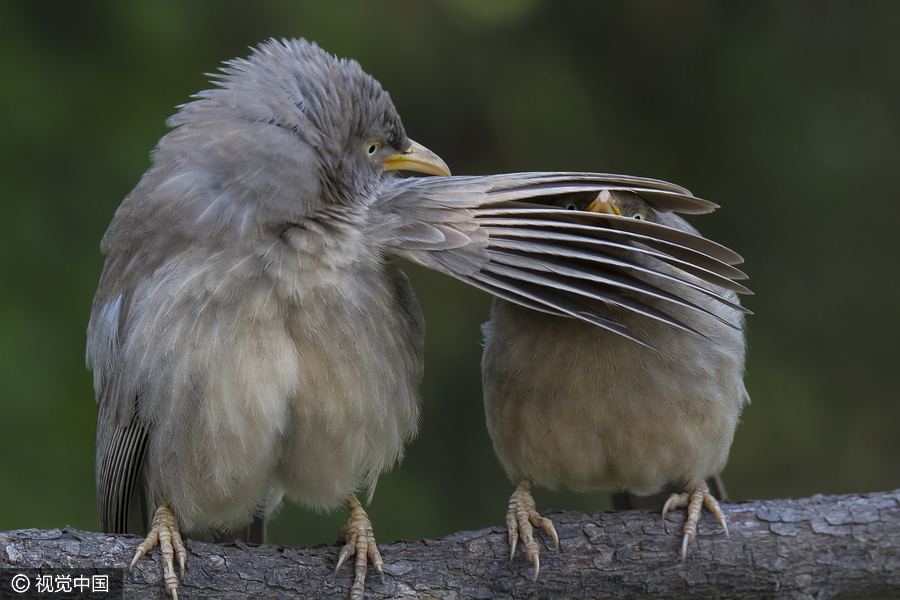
(820, 547)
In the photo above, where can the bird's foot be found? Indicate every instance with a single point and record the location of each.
(694, 498)
(521, 519)
(164, 531)
(359, 539)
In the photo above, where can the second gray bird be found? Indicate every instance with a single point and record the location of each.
(631, 408)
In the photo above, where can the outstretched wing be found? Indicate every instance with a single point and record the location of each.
(501, 233)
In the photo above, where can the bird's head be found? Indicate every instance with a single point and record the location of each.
(292, 105)
(622, 203)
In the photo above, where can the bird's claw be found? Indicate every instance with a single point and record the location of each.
(164, 531)
(521, 519)
(695, 499)
(359, 539)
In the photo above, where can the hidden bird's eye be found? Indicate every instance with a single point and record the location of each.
(640, 216)
(570, 206)
(372, 148)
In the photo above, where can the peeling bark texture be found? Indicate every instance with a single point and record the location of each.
(816, 548)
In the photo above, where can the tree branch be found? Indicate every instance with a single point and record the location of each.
(820, 547)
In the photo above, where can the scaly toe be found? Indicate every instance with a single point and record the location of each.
(695, 498)
(521, 519)
(675, 501)
(164, 531)
(545, 524)
(710, 502)
(360, 540)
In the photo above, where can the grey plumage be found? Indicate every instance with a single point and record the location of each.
(251, 338)
(587, 408)
(499, 233)
(214, 287)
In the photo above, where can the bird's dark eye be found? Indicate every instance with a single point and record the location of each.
(640, 216)
(570, 206)
(372, 148)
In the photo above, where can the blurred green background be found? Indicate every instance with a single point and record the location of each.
(785, 113)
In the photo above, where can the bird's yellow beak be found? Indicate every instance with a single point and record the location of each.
(604, 203)
(417, 158)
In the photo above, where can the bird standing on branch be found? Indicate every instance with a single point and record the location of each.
(252, 336)
(650, 401)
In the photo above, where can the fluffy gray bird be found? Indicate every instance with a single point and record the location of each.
(252, 336)
(632, 408)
